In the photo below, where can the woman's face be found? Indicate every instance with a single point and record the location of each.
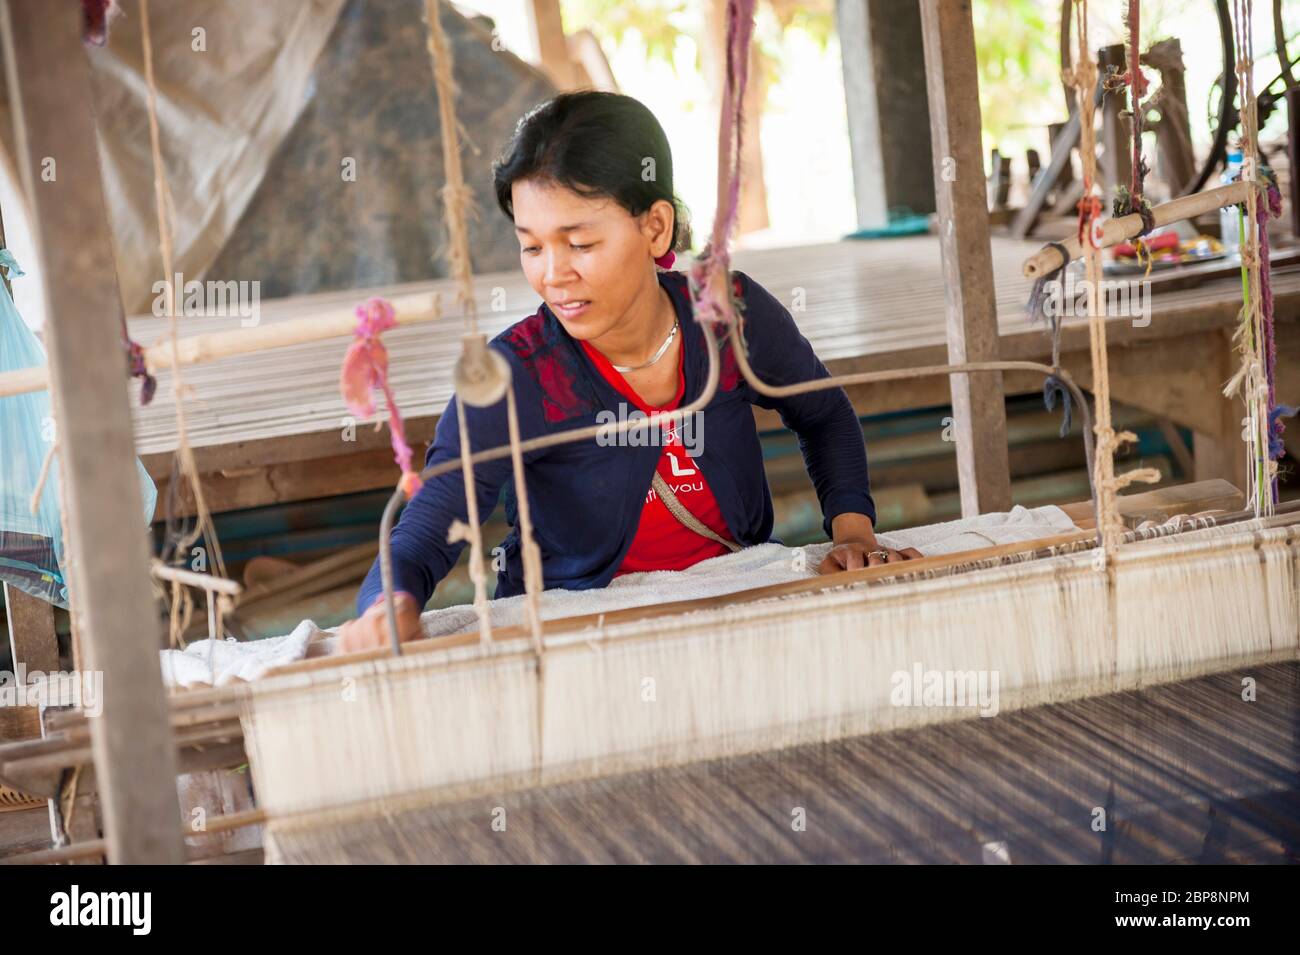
(575, 249)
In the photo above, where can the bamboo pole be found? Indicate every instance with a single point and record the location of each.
(219, 585)
(95, 847)
(197, 349)
(1115, 231)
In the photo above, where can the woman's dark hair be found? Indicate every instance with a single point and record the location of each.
(595, 143)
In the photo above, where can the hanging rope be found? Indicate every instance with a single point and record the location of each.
(458, 201)
(457, 197)
(470, 531)
(1132, 199)
(184, 466)
(711, 294)
(1252, 381)
(1106, 483)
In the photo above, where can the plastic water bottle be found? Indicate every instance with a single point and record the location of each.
(1229, 228)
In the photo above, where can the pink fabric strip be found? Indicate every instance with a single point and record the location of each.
(365, 367)
(716, 257)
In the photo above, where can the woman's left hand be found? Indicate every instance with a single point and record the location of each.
(852, 555)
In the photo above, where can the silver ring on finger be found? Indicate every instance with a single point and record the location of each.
(882, 554)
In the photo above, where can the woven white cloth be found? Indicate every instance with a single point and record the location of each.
(231, 661)
(752, 567)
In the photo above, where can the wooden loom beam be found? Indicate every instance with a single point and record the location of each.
(207, 716)
(197, 349)
(51, 92)
(1115, 231)
(979, 413)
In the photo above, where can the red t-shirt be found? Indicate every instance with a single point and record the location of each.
(662, 542)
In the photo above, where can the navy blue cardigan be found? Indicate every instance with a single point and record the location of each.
(586, 499)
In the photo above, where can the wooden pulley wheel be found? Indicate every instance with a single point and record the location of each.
(482, 374)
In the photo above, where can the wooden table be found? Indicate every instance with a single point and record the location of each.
(271, 427)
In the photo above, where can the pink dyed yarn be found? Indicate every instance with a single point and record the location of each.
(716, 256)
(365, 367)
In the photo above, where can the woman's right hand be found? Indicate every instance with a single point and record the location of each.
(370, 630)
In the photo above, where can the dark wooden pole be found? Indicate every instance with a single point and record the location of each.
(51, 95)
(979, 411)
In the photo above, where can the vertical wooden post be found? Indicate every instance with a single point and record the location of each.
(51, 95)
(979, 411)
(884, 88)
(552, 45)
(1174, 130)
(1116, 130)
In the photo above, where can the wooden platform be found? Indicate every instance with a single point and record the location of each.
(271, 427)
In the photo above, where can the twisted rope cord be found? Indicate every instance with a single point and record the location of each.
(1106, 484)
(184, 452)
(1251, 381)
(458, 199)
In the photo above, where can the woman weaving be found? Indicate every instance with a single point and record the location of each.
(587, 182)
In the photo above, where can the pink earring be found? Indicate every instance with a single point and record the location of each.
(666, 260)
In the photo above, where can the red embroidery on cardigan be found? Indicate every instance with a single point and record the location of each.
(554, 369)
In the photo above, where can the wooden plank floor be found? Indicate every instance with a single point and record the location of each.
(869, 305)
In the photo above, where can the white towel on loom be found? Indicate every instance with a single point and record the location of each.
(752, 567)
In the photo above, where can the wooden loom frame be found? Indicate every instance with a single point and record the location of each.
(50, 60)
(207, 719)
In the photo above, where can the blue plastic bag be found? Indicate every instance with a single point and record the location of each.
(31, 543)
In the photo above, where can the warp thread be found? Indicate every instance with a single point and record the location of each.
(365, 367)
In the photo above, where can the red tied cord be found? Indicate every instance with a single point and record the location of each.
(96, 16)
(365, 367)
(1089, 215)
